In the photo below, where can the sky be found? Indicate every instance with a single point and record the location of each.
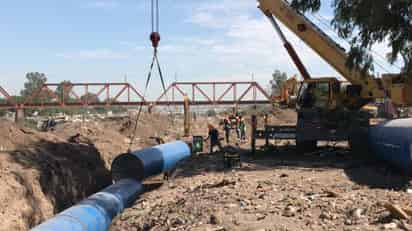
(108, 41)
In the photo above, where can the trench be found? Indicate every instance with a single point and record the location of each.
(66, 174)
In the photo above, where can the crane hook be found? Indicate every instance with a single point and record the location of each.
(155, 35)
(155, 38)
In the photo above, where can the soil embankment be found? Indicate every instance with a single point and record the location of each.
(42, 173)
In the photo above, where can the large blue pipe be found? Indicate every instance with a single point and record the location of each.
(392, 142)
(149, 162)
(96, 212)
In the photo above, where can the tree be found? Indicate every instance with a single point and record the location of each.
(278, 78)
(34, 81)
(33, 84)
(367, 22)
(64, 89)
(90, 98)
(211, 113)
(2, 112)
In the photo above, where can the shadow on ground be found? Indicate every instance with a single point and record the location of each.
(366, 171)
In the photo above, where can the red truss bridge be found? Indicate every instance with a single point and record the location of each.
(52, 95)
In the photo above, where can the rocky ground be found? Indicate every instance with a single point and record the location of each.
(274, 191)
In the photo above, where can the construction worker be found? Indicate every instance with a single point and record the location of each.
(238, 126)
(309, 97)
(214, 138)
(227, 126)
(389, 109)
(242, 128)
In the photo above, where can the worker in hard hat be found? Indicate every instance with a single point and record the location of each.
(227, 127)
(213, 135)
(242, 128)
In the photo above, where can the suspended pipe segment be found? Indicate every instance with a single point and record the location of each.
(128, 170)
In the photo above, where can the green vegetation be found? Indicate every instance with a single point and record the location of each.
(211, 113)
(63, 91)
(32, 88)
(367, 22)
(278, 78)
(35, 81)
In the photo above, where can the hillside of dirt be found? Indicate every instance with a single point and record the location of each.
(42, 173)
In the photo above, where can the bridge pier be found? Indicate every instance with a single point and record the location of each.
(19, 115)
(253, 134)
(235, 109)
(150, 108)
(187, 117)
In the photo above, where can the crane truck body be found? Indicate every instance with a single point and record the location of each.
(329, 109)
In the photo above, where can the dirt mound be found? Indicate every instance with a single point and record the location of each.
(46, 172)
(283, 116)
(102, 135)
(151, 125)
(42, 173)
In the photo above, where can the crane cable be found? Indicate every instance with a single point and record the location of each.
(155, 39)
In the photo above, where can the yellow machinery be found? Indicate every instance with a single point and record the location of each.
(327, 108)
(288, 90)
(364, 86)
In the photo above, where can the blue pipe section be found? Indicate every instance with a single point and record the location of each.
(149, 162)
(97, 212)
(392, 142)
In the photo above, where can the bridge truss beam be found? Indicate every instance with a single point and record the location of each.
(52, 95)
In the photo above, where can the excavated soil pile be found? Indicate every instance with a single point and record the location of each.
(283, 116)
(42, 173)
(168, 127)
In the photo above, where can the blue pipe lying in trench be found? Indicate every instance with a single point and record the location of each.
(128, 170)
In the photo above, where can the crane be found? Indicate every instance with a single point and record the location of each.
(327, 108)
(367, 86)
